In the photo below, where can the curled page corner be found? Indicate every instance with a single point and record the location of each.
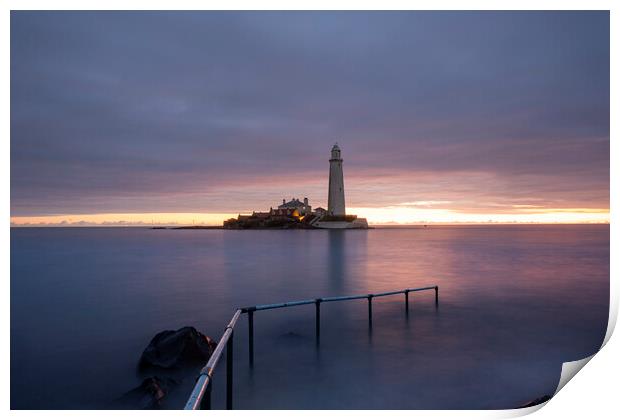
(521, 412)
(613, 316)
(570, 369)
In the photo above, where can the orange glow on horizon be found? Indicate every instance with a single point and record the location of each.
(396, 215)
(126, 219)
(412, 215)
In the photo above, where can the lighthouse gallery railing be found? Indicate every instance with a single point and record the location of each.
(200, 397)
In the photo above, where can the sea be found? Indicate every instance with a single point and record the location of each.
(515, 302)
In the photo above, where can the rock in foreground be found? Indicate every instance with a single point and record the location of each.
(174, 349)
(149, 395)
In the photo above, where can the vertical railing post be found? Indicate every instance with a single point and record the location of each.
(370, 310)
(436, 295)
(205, 403)
(229, 371)
(317, 304)
(251, 335)
(407, 301)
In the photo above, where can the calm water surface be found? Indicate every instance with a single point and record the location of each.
(515, 302)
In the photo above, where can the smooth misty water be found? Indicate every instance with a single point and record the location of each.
(515, 302)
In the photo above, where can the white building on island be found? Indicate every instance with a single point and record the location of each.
(302, 207)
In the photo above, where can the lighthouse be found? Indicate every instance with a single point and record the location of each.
(335, 202)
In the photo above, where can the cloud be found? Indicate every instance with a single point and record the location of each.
(115, 112)
(428, 203)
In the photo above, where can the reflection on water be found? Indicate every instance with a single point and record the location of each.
(336, 260)
(515, 302)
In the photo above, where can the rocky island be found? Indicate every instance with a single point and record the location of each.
(296, 214)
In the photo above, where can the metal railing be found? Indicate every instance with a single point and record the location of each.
(200, 399)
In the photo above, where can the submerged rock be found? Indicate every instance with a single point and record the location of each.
(537, 401)
(148, 395)
(175, 349)
(292, 336)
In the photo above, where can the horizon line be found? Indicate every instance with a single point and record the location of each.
(380, 225)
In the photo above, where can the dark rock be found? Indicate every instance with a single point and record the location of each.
(176, 349)
(537, 401)
(149, 395)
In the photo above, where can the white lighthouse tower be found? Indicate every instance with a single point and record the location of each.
(336, 216)
(335, 202)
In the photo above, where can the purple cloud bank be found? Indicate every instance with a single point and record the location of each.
(228, 111)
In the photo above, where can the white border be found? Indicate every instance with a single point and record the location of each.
(592, 395)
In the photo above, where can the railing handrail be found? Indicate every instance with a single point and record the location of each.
(330, 299)
(204, 378)
(201, 394)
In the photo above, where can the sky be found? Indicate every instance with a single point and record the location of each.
(194, 117)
